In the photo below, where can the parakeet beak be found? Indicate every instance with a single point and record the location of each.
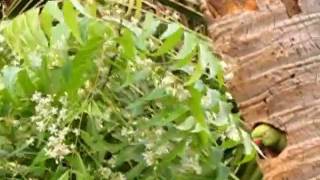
(258, 142)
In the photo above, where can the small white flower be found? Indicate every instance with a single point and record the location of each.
(30, 141)
(54, 111)
(151, 44)
(168, 79)
(64, 100)
(53, 129)
(112, 162)
(149, 158)
(87, 84)
(36, 97)
(81, 92)
(134, 20)
(127, 131)
(159, 131)
(118, 176)
(149, 145)
(62, 114)
(119, 11)
(40, 126)
(15, 122)
(191, 163)
(164, 149)
(76, 132)
(56, 148)
(182, 94)
(64, 131)
(72, 147)
(105, 172)
(14, 62)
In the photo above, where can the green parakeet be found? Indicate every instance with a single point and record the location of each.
(266, 136)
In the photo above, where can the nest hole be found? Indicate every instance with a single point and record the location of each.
(269, 152)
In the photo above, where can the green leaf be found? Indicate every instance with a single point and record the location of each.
(190, 42)
(64, 176)
(46, 21)
(59, 34)
(135, 172)
(80, 8)
(149, 26)
(187, 124)
(172, 28)
(248, 148)
(178, 150)
(34, 27)
(155, 94)
(223, 115)
(70, 17)
(129, 153)
(98, 144)
(195, 76)
(82, 64)
(127, 43)
(172, 37)
(10, 75)
(208, 60)
(223, 172)
(167, 115)
(53, 9)
(76, 163)
(216, 156)
(40, 158)
(26, 83)
(197, 112)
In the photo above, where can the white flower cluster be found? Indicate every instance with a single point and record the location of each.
(46, 113)
(191, 163)
(169, 82)
(56, 147)
(106, 173)
(154, 150)
(51, 119)
(149, 157)
(128, 132)
(144, 63)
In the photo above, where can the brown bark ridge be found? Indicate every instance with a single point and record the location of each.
(272, 48)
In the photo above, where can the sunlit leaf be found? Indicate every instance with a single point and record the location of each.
(70, 17)
(64, 176)
(172, 37)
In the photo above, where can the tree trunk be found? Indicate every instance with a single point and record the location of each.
(272, 48)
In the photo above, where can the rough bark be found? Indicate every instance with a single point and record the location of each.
(272, 48)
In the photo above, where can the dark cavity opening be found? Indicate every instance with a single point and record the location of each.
(270, 152)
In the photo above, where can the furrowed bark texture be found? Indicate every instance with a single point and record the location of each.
(273, 53)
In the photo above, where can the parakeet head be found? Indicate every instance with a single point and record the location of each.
(269, 138)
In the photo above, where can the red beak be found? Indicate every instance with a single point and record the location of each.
(258, 142)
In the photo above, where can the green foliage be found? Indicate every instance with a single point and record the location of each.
(106, 98)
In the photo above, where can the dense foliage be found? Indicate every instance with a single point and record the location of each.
(100, 97)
